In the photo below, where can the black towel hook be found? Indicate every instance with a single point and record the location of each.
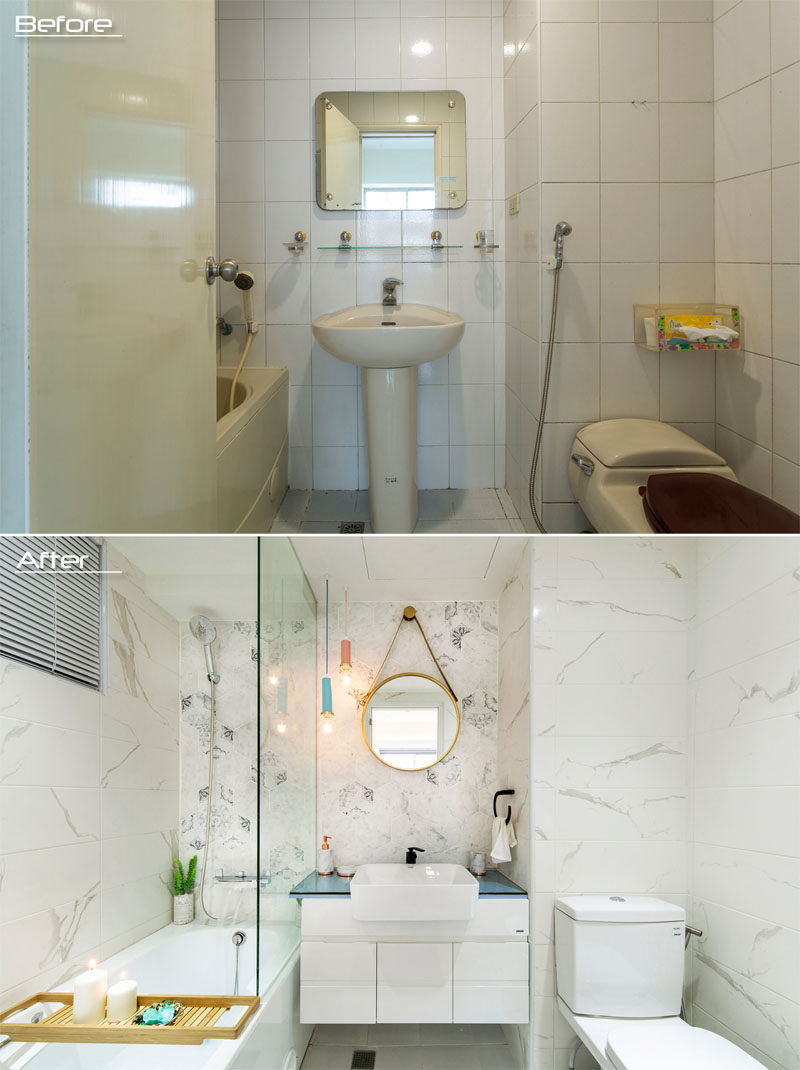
(497, 794)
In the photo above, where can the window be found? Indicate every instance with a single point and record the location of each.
(51, 605)
(397, 170)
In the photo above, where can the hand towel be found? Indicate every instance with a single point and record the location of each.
(501, 845)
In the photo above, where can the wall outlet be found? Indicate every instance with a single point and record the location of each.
(513, 204)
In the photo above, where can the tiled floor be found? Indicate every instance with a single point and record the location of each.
(477, 511)
(410, 1047)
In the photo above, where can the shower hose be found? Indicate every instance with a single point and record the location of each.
(213, 688)
(537, 448)
(242, 359)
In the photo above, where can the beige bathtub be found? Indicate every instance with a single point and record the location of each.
(252, 448)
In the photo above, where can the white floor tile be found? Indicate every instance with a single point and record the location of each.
(445, 1034)
(450, 1057)
(495, 1057)
(353, 1035)
(331, 505)
(319, 1057)
(389, 1034)
(435, 504)
(477, 504)
(398, 1058)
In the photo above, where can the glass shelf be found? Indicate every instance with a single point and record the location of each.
(372, 248)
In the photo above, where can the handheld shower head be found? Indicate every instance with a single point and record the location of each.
(245, 281)
(562, 230)
(204, 631)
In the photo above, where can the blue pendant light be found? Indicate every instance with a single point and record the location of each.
(326, 712)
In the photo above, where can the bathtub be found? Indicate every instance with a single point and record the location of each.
(197, 959)
(252, 448)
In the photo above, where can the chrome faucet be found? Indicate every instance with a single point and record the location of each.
(389, 287)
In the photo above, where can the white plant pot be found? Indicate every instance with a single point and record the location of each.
(183, 908)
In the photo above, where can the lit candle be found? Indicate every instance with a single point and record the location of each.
(122, 1000)
(89, 1000)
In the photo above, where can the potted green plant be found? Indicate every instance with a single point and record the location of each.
(183, 891)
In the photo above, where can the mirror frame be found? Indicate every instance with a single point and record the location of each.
(397, 676)
(320, 166)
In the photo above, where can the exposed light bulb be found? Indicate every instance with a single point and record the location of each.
(327, 726)
(281, 726)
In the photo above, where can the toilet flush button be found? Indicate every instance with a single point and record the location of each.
(616, 899)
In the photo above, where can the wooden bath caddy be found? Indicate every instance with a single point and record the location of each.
(195, 1023)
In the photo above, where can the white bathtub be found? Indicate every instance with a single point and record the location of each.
(252, 448)
(197, 959)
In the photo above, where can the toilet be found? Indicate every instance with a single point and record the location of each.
(641, 476)
(619, 983)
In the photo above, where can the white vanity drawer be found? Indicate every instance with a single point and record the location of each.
(415, 983)
(332, 1003)
(490, 962)
(337, 962)
(499, 1001)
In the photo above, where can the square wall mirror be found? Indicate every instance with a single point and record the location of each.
(391, 151)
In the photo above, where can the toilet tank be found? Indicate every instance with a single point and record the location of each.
(619, 956)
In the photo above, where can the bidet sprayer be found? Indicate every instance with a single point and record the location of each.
(245, 281)
(562, 230)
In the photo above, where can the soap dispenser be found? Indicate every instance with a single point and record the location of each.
(325, 859)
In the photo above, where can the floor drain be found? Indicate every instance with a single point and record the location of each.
(352, 527)
(363, 1060)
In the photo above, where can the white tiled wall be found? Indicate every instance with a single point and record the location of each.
(745, 866)
(622, 94)
(757, 192)
(274, 59)
(89, 799)
(610, 623)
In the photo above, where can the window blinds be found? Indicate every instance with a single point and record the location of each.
(51, 617)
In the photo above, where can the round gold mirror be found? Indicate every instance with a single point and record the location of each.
(410, 721)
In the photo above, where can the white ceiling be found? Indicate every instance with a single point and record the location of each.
(217, 574)
(390, 568)
(186, 574)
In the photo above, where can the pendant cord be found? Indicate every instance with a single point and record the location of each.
(326, 627)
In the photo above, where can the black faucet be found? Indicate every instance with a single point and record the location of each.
(411, 854)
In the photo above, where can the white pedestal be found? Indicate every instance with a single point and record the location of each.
(390, 411)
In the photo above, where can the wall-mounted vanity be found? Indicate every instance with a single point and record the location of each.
(462, 970)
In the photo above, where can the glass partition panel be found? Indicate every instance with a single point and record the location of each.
(286, 765)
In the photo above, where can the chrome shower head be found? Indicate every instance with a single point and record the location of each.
(562, 230)
(204, 631)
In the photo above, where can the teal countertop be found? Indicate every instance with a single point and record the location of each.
(494, 884)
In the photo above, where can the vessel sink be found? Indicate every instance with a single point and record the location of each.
(420, 892)
(372, 336)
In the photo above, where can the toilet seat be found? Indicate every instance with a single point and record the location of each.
(694, 503)
(667, 1045)
(655, 1044)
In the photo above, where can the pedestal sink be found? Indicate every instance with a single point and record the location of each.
(388, 344)
(422, 892)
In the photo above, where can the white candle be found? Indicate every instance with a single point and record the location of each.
(89, 1002)
(122, 1000)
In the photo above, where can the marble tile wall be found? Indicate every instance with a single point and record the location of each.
(745, 834)
(88, 798)
(287, 759)
(609, 735)
(514, 725)
(373, 812)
